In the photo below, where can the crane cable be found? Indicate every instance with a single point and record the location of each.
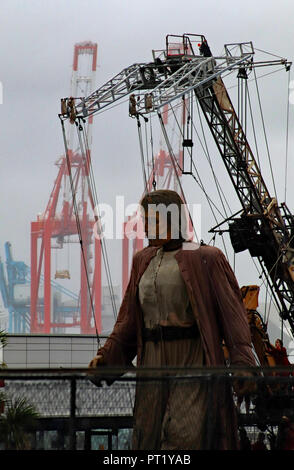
(209, 200)
(265, 136)
(266, 315)
(146, 146)
(286, 166)
(78, 224)
(173, 160)
(275, 272)
(253, 126)
(207, 155)
(142, 152)
(92, 185)
(241, 112)
(269, 158)
(244, 113)
(152, 154)
(287, 136)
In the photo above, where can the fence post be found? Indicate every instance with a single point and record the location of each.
(210, 412)
(72, 431)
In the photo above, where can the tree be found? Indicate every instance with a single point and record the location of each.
(16, 416)
(3, 342)
(19, 416)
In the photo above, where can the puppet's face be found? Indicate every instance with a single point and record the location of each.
(157, 228)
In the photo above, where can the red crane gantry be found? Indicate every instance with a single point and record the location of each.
(59, 221)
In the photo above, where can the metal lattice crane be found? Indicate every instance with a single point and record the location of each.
(265, 228)
(60, 224)
(15, 291)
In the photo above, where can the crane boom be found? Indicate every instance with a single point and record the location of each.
(264, 228)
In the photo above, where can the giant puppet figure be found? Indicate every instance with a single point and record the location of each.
(181, 303)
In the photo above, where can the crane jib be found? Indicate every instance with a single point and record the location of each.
(265, 228)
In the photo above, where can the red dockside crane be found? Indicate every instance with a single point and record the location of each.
(60, 224)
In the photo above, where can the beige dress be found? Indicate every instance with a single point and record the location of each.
(175, 410)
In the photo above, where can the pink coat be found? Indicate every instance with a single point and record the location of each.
(219, 312)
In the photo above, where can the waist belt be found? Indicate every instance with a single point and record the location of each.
(169, 333)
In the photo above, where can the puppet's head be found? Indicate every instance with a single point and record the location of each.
(165, 218)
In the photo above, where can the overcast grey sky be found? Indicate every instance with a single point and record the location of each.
(36, 47)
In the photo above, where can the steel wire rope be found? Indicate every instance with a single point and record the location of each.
(269, 158)
(103, 244)
(246, 106)
(286, 165)
(147, 149)
(267, 275)
(142, 153)
(179, 105)
(102, 241)
(266, 315)
(269, 53)
(245, 117)
(271, 297)
(285, 176)
(272, 300)
(174, 133)
(207, 154)
(253, 127)
(287, 136)
(260, 274)
(174, 162)
(209, 200)
(270, 163)
(152, 154)
(215, 179)
(265, 136)
(176, 106)
(265, 310)
(256, 142)
(289, 333)
(279, 256)
(173, 159)
(209, 160)
(77, 218)
(252, 79)
(200, 184)
(84, 153)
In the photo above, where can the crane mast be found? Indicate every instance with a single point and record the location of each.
(60, 225)
(265, 228)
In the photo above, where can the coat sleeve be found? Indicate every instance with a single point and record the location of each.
(231, 312)
(120, 347)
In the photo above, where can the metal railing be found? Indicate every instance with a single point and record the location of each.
(67, 401)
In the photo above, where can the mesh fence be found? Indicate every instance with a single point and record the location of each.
(52, 398)
(171, 408)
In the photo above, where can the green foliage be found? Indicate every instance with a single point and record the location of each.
(2, 398)
(3, 343)
(3, 338)
(18, 417)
